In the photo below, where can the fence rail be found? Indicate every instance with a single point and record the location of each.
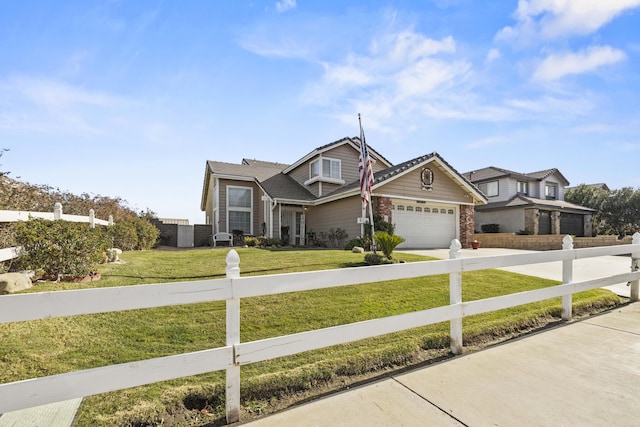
(234, 354)
(15, 216)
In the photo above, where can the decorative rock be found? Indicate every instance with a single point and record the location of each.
(357, 250)
(14, 282)
(114, 254)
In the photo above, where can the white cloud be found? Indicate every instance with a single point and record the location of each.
(556, 66)
(399, 66)
(284, 5)
(50, 106)
(493, 55)
(552, 19)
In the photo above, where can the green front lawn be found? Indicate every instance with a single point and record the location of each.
(46, 347)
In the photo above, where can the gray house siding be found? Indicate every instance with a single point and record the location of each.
(342, 213)
(410, 185)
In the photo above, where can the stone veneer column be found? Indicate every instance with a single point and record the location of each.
(555, 222)
(531, 220)
(467, 224)
(382, 207)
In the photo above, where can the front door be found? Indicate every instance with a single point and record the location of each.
(292, 229)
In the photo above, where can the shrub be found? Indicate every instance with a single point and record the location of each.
(251, 241)
(375, 259)
(147, 233)
(490, 228)
(123, 235)
(387, 242)
(334, 238)
(363, 242)
(60, 247)
(133, 233)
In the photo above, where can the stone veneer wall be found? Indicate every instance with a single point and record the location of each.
(466, 225)
(544, 242)
(382, 206)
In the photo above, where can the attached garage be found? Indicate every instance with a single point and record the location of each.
(424, 225)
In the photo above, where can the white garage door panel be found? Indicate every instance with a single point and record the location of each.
(425, 229)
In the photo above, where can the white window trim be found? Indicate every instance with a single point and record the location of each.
(250, 209)
(320, 177)
(491, 182)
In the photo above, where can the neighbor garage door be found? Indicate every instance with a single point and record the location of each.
(424, 225)
(572, 224)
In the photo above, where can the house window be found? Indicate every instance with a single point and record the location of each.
(409, 208)
(326, 168)
(427, 210)
(489, 188)
(240, 209)
(551, 191)
(400, 207)
(418, 209)
(523, 187)
(314, 169)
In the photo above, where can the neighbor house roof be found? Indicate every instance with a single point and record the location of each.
(521, 200)
(492, 172)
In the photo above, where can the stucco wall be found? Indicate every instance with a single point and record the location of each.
(510, 220)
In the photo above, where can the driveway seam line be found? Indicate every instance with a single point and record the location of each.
(431, 403)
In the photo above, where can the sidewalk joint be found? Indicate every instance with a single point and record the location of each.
(431, 403)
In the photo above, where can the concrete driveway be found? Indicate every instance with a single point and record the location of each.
(583, 269)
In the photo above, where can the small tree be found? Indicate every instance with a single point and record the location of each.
(387, 242)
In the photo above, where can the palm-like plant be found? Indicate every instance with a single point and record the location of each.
(387, 242)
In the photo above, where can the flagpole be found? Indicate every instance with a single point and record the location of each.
(368, 193)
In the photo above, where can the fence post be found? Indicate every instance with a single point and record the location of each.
(232, 395)
(57, 210)
(635, 266)
(455, 297)
(567, 277)
(92, 217)
(110, 220)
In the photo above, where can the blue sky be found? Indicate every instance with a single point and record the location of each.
(129, 99)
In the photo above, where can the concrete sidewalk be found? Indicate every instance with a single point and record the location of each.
(584, 373)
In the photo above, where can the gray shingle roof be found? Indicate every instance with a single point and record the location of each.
(255, 169)
(492, 172)
(521, 200)
(281, 186)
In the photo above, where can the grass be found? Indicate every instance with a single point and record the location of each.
(51, 346)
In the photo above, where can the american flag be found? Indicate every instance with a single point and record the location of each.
(365, 169)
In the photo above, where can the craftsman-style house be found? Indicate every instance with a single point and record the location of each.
(529, 203)
(427, 200)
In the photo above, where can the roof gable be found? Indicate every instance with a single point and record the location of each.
(387, 175)
(492, 172)
(353, 142)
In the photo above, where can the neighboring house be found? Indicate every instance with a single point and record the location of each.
(427, 200)
(531, 202)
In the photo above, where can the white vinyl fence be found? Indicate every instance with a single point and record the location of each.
(15, 216)
(39, 391)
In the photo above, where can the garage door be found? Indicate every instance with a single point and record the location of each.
(572, 224)
(424, 225)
